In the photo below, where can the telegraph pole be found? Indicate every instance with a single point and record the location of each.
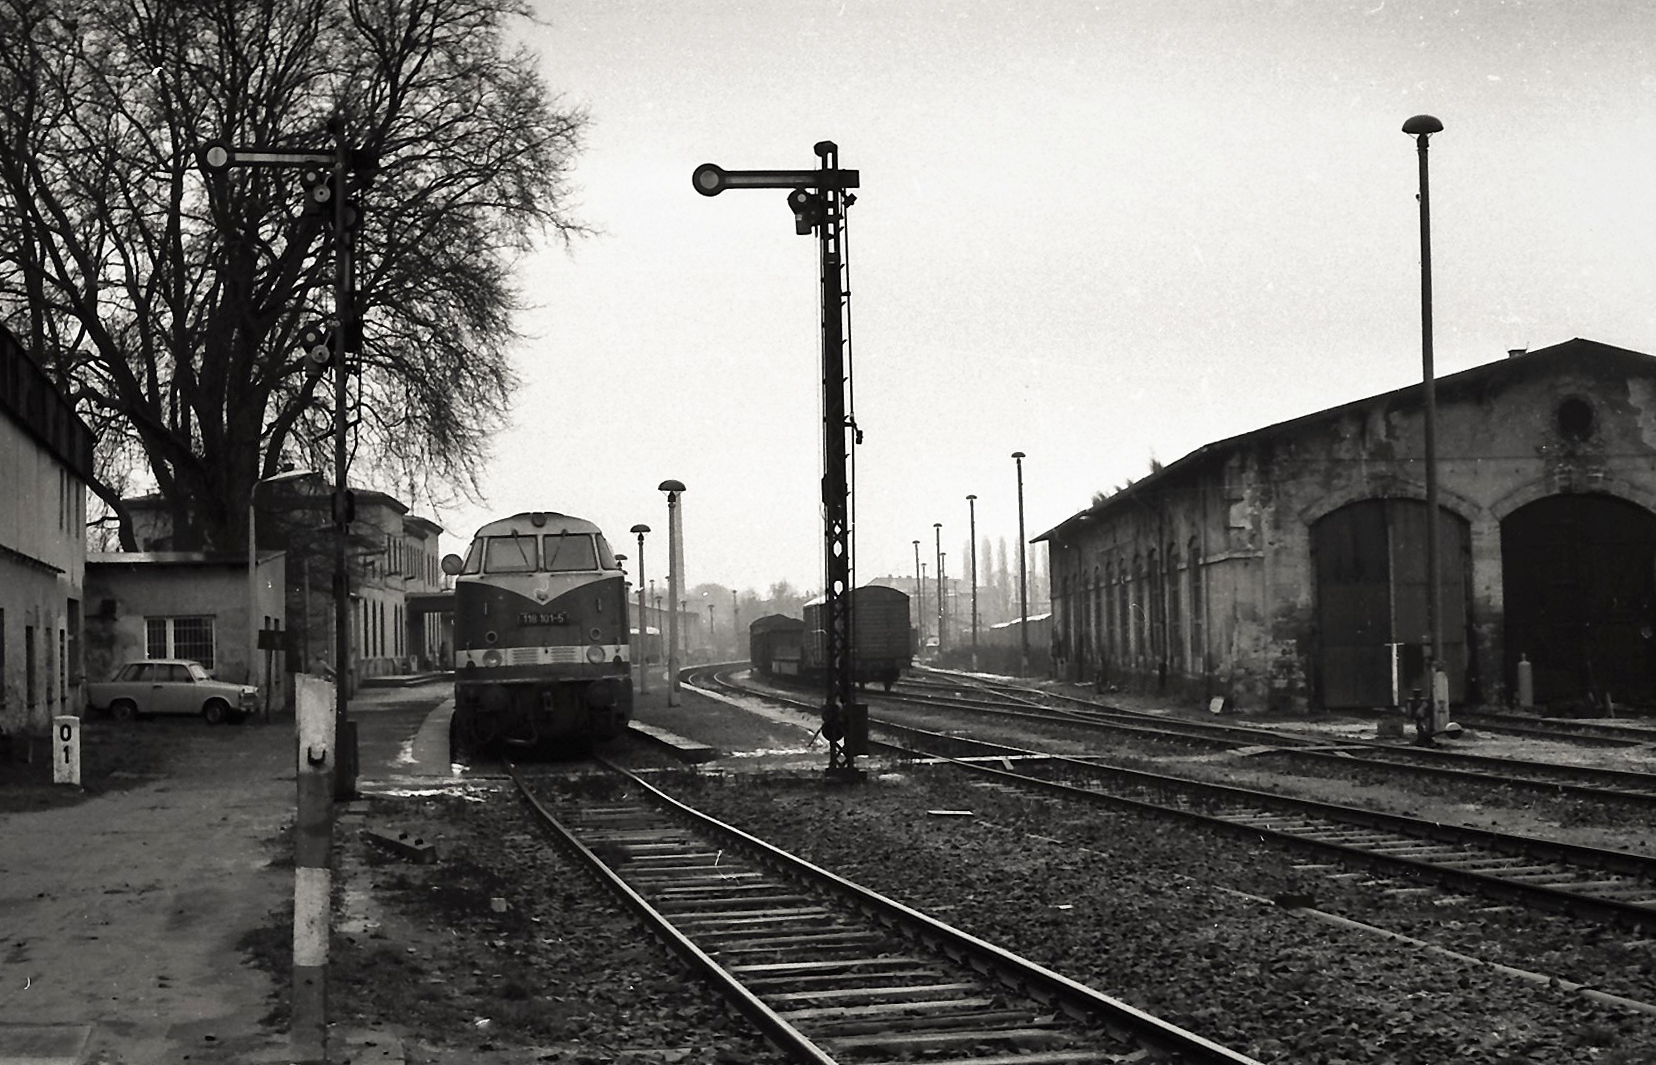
(818, 202)
(971, 503)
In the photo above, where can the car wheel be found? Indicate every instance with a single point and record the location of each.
(124, 710)
(216, 711)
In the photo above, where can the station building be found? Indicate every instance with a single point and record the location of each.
(45, 464)
(1285, 568)
(399, 614)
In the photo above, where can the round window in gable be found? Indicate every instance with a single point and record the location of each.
(1575, 418)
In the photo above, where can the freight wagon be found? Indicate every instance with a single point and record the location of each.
(882, 644)
(774, 643)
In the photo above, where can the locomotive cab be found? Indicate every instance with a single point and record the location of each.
(541, 637)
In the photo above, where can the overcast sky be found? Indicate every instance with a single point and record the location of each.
(1095, 233)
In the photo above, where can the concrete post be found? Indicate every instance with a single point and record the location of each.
(312, 878)
(66, 750)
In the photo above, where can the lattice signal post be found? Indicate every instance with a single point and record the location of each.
(324, 177)
(818, 202)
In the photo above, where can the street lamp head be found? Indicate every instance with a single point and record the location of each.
(1422, 124)
(670, 486)
(937, 525)
(1018, 455)
(286, 475)
(971, 497)
(640, 529)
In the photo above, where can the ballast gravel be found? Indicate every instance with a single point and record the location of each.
(1156, 915)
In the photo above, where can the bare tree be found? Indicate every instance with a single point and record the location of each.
(169, 303)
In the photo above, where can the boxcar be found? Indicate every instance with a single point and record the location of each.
(774, 645)
(882, 644)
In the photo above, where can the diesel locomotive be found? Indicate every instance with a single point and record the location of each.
(540, 638)
(882, 642)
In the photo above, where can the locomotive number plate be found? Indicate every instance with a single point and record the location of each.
(543, 617)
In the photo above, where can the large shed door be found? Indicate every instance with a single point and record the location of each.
(1576, 574)
(1369, 559)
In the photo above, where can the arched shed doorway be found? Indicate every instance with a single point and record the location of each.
(1579, 585)
(1369, 560)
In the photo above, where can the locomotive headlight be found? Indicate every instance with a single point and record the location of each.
(491, 658)
(595, 654)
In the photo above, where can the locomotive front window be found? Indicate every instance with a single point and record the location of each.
(567, 552)
(509, 554)
(606, 557)
(474, 558)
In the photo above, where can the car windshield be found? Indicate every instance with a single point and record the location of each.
(196, 672)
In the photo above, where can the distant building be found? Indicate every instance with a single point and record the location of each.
(399, 613)
(1285, 568)
(188, 604)
(45, 464)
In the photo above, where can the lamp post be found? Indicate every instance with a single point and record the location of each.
(971, 504)
(937, 533)
(920, 597)
(735, 625)
(1023, 572)
(712, 651)
(943, 603)
(252, 572)
(1421, 127)
(643, 629)
(675, 581)
(922, 607)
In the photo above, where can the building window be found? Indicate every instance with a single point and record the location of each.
(30, 679)
(77, 668)
(190, 637)
(1124, 597)
(1175, 599)
(1198, 634)
(1575, 419)
(1111, 631)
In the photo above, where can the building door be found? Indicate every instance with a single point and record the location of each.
(1369, 563)
(1577, 578)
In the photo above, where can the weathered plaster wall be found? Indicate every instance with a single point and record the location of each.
(1252, 503)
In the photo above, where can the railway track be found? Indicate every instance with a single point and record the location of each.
(830, 971)
(1615, 887)
(1592, 783)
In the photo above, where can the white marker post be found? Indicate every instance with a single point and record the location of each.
(66, 762)
(312, 880)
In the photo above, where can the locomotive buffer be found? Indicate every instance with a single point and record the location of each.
(818, 202)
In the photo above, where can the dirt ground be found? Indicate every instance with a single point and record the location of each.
(146, 917)
(123, 906)
(148, 914)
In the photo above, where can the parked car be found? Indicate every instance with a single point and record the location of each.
(170, 686)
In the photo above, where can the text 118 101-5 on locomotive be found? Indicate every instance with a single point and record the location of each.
(540, 637)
